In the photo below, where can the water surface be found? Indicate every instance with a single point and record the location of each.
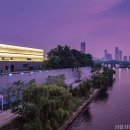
(110, 108)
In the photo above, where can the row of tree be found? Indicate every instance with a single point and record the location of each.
(64, 57)
(98, 80)
(47, 106)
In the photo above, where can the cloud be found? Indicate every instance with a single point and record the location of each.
(98, 6)
(120, 9)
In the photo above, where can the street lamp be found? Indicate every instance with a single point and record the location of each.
(1, 97)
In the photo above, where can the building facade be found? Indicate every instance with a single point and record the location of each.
(16, 58)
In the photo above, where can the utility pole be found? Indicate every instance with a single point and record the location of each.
(2, 101)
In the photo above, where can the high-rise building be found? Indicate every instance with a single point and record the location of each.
(129, 58)
(125, 58)
(117, 53)
(83, 47)
(105, 54)
(120, 54)
(109, 56)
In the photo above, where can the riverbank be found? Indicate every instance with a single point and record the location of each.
(110, 109)
(54, 103)
(81, 109)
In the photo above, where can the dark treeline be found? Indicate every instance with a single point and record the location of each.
(98, 80)
(64, 57)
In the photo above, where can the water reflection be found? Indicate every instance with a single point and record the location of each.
(102, 97)
(87, 115)
(127, 71)
(119, 73)
(110, 108)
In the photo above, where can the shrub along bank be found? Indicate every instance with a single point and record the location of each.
(48, 106)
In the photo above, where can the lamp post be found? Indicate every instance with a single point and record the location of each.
(1, 97)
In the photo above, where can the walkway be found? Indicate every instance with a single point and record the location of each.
(6, 117)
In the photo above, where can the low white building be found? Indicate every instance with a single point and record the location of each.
(17, 58)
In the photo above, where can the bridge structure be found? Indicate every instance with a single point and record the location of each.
(114, 63)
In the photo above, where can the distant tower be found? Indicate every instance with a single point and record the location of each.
(83, 47)
(125, 58)
(120, 55)
(105, 55)
(117, 53)
(110, 56)
(129, 58)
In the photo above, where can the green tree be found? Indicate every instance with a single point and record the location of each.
(64, 57)
(42, 102)
(18, 88)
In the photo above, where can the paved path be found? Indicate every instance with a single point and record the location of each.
(6, 117)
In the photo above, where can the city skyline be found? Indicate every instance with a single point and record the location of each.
(45, 24)
(117, 55)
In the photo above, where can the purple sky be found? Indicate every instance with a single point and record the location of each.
(47, 23)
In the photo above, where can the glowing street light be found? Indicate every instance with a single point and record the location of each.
(10, 74)
(22, 73)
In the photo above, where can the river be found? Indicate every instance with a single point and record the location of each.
(111, 109)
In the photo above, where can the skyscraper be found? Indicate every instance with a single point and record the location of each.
(109, 56)
(129, 58)
(125, 58)
(120, 53)
(83, 45)
(105, 54)
(117, 53)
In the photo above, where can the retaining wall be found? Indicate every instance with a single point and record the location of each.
(41, 76)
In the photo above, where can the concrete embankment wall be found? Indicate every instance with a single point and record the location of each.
(80, 110)
(41, 76)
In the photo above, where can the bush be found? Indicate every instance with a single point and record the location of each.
(43, 102)
(47, 106)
